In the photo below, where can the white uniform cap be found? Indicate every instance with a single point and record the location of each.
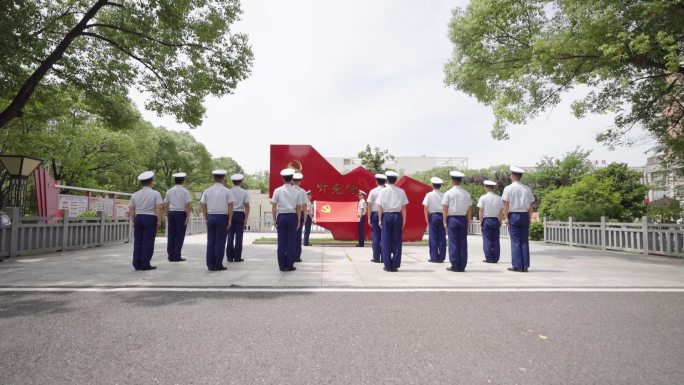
(489, 183)
(435, 180)
(146, 175)
(287, 172)
(237, 177)
(219, 172)
(298, 175)
(362, 192)
(380, 176)
(179, 175)
(392, 173)
(456, 174)
(517, 170)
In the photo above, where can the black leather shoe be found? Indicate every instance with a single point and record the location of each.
(291, 269)
(281, 269)
(386, 269)
(149, 268)
(434, 261)
(515, 269)
(452, 269)
(376, 261)
(524, 270)
(298, 260)
(395, 270)
(220, 268)
(238, 260)
(177, 260)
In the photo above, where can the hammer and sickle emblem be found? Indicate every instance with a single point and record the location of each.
(326, 209)
(295, 164)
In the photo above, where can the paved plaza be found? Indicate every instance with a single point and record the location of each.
(552, 266)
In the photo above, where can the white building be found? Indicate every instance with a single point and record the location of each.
(402, 164)
(664, 182)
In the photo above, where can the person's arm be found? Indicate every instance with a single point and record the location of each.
(426, 214)
(481, 217)
(230, 213)
(506, 207)
(403, 216)
(380, 217)
(445, 212)
(204, 211)
(188, 210)
(160, 212)
(274, 213)
(469, 216)
(246, 211)
(131, 214)
(299, 216)
(166, 208)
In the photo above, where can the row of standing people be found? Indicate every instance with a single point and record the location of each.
(225, 210)
(448, 213)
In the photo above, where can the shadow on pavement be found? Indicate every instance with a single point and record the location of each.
(32, 304)
(160, 299)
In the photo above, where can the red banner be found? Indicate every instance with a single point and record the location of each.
(335, 212)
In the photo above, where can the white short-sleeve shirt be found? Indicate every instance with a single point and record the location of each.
(519, 197)
(392, 199)
(301, 197)
(217, 198)
(433, 201)
(361, 207)
(458, 201)
(177, 197)
(373, 197)
(491, 204)
(286, 198)
(240, 196)
(145, 201)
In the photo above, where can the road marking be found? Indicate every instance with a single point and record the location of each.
(348, 289)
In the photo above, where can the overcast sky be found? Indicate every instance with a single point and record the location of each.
(341, 74)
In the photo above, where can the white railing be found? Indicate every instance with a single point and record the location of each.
(475, 229)
(35, 235)
(639, 237)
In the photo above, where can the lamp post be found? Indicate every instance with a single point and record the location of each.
(19, 168)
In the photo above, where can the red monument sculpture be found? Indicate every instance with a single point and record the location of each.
(334, 192)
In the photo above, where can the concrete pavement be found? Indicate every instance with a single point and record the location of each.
(552, 266)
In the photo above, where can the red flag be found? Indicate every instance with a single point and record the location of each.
(335, 212)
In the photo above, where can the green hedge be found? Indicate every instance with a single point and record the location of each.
(537, 231)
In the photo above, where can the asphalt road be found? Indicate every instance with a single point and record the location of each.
(342, 338)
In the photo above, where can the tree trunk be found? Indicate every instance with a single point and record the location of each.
(15, 109)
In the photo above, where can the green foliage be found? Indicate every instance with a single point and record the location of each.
(374, 158)
(670, 213)
(587, 201)
(88, 214)
(537, 231)
(177, 52)
(628, 184)
(554, 173)
(519, 57)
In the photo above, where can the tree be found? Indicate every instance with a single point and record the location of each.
(373, 159)
(628, 184)
(519, 57)
(177, 51)
(587, 201)
(669, 211)
(553, 173)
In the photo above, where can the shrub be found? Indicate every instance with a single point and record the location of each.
(537, 231)
(88, 214)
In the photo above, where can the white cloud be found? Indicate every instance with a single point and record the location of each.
(339, 75)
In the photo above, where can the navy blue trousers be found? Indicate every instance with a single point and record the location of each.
(458, 241)
(217, 230)
(298, 241)
(176, 234)
(307, 230)
(519, 231)
(437, 237)
(287, 237)
(235, 232)
(376, 235)
(144, 233)
(362, 230)
(391, 240)
(490, 239)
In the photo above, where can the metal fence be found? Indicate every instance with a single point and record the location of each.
(35, 235)
(474, 228)
(639, 237)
